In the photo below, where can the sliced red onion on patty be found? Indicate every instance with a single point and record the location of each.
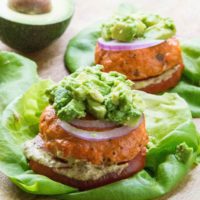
(93, 124)
(114, 45)
(98, 135)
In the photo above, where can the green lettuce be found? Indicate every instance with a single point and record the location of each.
(172, 150)
(17, 73)
(191, 57)
(20, 122)
(81, 48)
(189, 86)
(22, 115)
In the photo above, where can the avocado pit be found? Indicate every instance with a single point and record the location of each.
(31, 7)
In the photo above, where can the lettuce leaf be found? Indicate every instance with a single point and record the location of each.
(191, 57)
(191, 93)
(17, 73)
(21, 119)
(189, 86)
(80, 52)
(21, 116)
(172, 149)
(83, 46)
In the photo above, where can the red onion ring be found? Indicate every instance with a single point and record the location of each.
(93, 124)
(98, 135)
(114, 45)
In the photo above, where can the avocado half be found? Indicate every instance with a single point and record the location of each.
(28, 33)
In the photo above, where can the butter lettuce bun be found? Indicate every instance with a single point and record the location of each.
(93, 131)
(144, 48)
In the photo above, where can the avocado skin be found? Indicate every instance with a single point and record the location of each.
(30, 38)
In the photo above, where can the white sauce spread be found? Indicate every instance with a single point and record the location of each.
(155, 80)
(72, 168)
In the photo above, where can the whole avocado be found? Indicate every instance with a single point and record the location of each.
(31, 25)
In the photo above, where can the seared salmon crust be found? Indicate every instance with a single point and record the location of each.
(143, 63)
(113, 151)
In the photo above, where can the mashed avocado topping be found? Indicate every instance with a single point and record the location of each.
(183, 152)
(107, 96)
(130, 27)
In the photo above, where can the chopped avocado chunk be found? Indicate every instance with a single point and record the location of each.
(74, 109)
(140, 28)
(151, 19)
(130, 27)
(107, 96)
(162, 30)
(123, 31)
(98, 110)
(183, 152)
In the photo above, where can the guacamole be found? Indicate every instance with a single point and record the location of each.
(106, 96)
(130, 27)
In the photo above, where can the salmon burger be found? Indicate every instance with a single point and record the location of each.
(93, 131)
(144, 48)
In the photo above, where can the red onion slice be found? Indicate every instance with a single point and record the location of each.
(98, 135)
(114, 45)
(93, 124)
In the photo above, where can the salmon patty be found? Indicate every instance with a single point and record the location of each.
(64, 145)
(142, 64)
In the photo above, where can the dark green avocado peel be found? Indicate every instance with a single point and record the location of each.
(28, 31)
